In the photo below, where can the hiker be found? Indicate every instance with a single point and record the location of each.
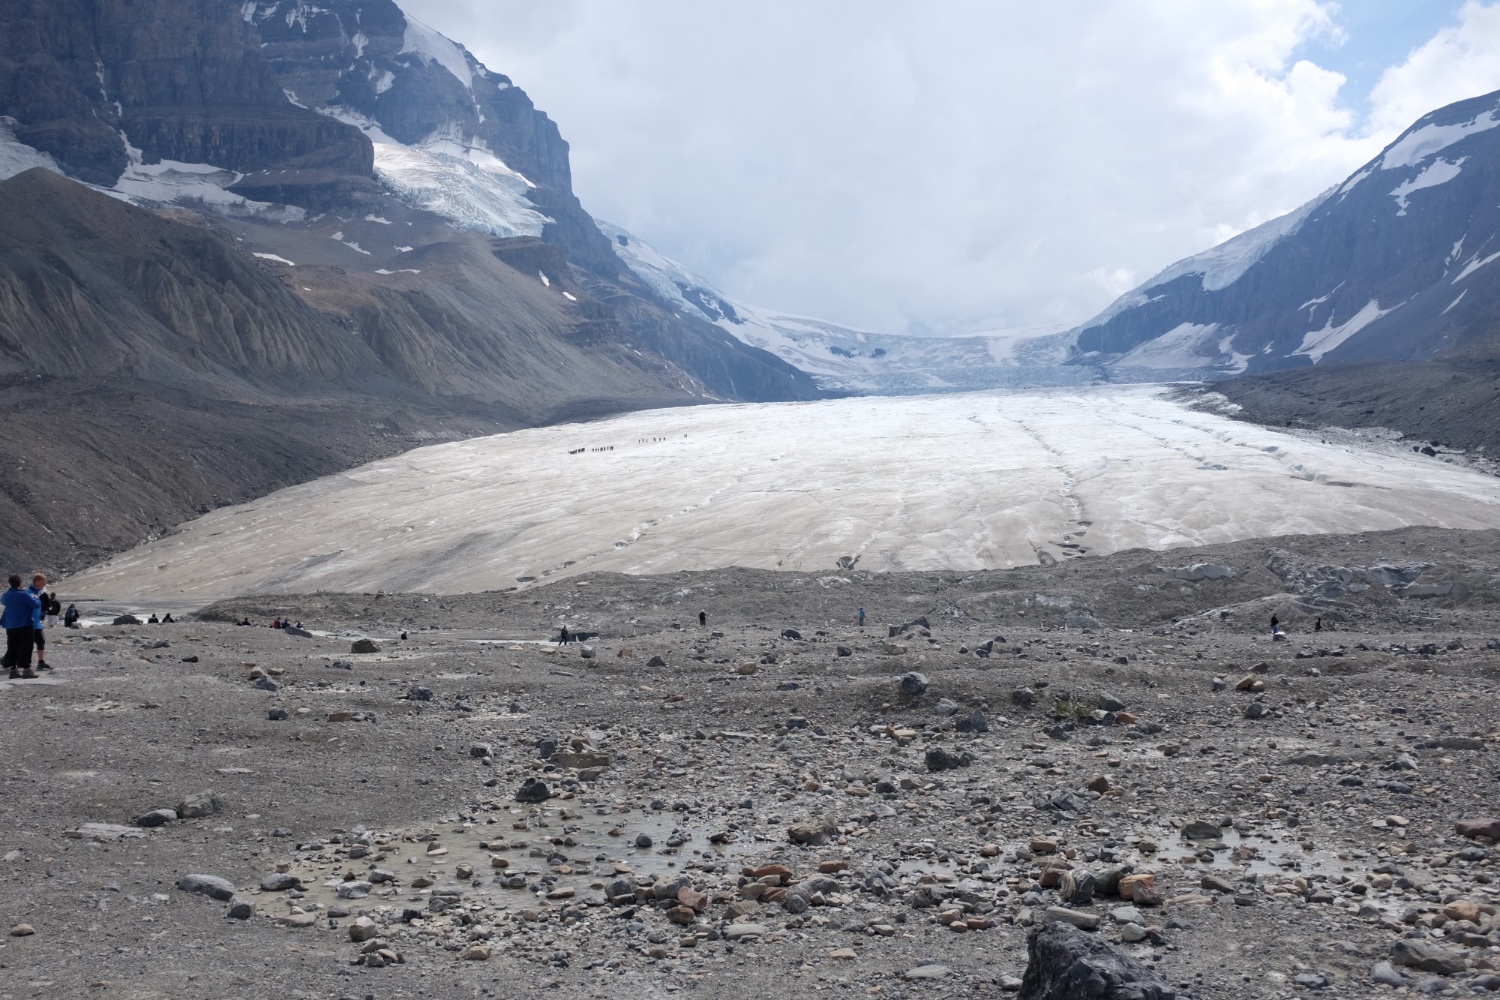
(168, 620)
(54, 609)
(39, 619)
(403, 634)
(70, 620)
(703, 619)
(153, 620)
(276, 622)
(1275, 625)
(861, 617)
(19, 619)
(1318, 625)
(564, 640)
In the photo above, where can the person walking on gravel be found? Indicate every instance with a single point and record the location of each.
(703, 619)
(19, 619)
(39, 620)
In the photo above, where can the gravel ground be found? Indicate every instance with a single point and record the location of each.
(753, 811)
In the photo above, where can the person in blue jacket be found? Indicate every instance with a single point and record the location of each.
(39, 588)
(19, 619)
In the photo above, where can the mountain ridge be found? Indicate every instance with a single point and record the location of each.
(1365, 272)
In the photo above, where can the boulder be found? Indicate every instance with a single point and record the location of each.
(156, 817)
(790, 633)
(913, 684)
(207, 885)
(300, 633)
(1426, 957)
(1065, 963)
(198, 805)
(533, 790)
(939, 759)
(364, 646)
(1473, 828)
(815, 833)
(896, 630)
(1201, 829)
(975, 722)
(127, 620)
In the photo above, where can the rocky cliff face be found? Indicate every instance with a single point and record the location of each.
(1396, 263)
(366, 61)
(97, 83)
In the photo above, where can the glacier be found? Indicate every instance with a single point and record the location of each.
(960, 481)
(848, 360)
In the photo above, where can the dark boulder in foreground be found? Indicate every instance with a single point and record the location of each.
(533, 790)
(1065, 963)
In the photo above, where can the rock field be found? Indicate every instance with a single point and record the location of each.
(1101, 779)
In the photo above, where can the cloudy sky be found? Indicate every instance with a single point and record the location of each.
(956, 165)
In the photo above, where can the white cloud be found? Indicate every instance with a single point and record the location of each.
(897, 165)
(1459, 62)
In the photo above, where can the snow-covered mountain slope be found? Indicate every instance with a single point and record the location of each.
(1393, 264)
(849, 360)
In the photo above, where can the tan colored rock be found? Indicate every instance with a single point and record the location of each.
(1462, 909)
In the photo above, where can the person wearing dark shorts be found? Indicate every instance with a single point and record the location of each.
(39, 588)
(19, 620)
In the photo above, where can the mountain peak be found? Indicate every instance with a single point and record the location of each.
(1365, 271)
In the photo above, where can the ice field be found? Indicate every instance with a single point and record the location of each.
(979, 480)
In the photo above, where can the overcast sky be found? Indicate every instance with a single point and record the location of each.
(953, 165)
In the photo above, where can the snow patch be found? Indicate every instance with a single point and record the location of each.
(1439, 172)
(1353, 182)
(1419, 144)
(275, 259)
(422, 41)
(404, 270)
(201, 184)
(545, 280)
(16, 157)
(464, 182)
(1475, 263)
(1317, 343)
(1180, 347)
(378, 219)
(1456, 301)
